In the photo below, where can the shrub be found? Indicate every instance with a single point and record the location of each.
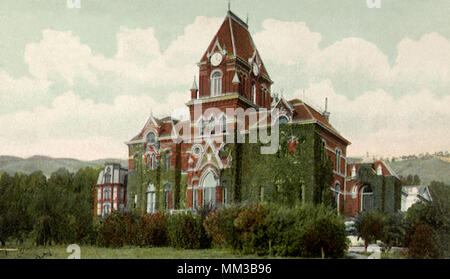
(436, 215)
(394, 231)
(152, 230)
(324, 234)
(370, 226)
(219, 226)
(306, 231)
(185, 230)
(118, 229)
(422, 242)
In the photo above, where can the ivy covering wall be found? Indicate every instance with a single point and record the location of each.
(386, 189)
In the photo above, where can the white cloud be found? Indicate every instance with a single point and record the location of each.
(380, 124)
(381, 108)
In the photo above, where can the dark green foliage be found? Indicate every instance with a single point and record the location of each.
(220, 227)
(435, 214)
(422, 242)
(186, 231)
(370, 226)
(49, 211)
(152, 229)
(118, 229)
(394, 231)
(305, 231)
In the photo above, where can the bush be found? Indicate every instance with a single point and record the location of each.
(370, 226)
(422, 243)
(219, 226)
(394, 231)
(152, 230)
(324, 234)
(436, 215)
(185, 230)
(118, 229)
(306, 231)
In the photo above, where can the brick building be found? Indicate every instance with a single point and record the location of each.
(179, 165)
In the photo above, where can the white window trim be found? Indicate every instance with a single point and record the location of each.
(213, 84)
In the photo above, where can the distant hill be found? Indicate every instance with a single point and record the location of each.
(428, 169)
(48, 165)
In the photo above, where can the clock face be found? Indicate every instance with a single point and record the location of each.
(216, 59)
(255, 69)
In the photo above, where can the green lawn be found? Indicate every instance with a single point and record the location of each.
(92, 252)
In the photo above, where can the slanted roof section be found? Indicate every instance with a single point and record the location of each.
(233, 35)
(303, 111)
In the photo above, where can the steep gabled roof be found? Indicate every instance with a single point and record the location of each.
(233, 35)
(303, 111)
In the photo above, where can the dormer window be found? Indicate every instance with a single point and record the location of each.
(216, 83)
(379, 170)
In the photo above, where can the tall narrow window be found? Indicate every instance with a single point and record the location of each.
(223, 124)
(253, 93)
(209, 189)
(167, 162)
(216, 83)
(338, 160)
(212, 126)
(153, 162)
(151, 208)
(149, 162)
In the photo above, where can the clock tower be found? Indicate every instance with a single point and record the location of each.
(231, 72)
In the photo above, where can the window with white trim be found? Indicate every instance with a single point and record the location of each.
(151, 198)
(209, 189)
(216, 83)
(338, 160)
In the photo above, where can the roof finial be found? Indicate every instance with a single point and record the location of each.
(229, 5)
(246, 21)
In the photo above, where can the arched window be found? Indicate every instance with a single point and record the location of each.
(353, 172)
(151, 138)
(337, 192)
(107, 193)
(223, 124)
(379, 170)
(216, 83)
(149, 162)
(167, 196)
(106, 209)
(283, 120)
(354, 192)
(154, 162)
(367, 200)
(151, 198)
(212, 126)
(253, 93)
(201, 126)
(108, 175)
(167, 160)
(209, 189)
(338, 160)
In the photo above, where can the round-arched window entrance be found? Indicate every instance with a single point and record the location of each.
(210, 182)
(367, 199)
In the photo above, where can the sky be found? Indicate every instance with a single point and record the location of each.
(80, 82)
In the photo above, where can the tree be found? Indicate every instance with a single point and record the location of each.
(370, 226)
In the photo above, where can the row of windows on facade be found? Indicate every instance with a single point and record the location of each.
(107, 191)
(216, 88)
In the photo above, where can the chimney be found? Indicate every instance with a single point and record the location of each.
(194, 90)
(326, 114)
